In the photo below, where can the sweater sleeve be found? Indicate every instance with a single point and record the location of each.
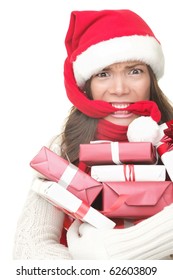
(150, 239)
(39, 230)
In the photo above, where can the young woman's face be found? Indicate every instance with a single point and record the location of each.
(121, 84)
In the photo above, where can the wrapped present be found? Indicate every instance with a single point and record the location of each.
(57, 169)
(71, 205)
(117, 153)
(136, 200)
(165, 150)
(128, 172)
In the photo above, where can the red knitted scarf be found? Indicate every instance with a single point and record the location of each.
(112, 132)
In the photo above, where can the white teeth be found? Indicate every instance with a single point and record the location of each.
(123, 112)
(120, 106)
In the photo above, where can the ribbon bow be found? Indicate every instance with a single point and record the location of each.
(168, 138)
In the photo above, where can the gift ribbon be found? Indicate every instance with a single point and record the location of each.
(115, 152)
(169, 123)
(129, 171)
(167, 141)
(81, 211)
(79, 214)
(118, 203)
(68, 175)
(163, 148)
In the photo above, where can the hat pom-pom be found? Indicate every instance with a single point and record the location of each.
(143, 129)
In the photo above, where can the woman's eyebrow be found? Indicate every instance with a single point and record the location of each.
(135, 65)
(127, 66)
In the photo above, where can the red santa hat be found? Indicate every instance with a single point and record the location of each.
(96, 39)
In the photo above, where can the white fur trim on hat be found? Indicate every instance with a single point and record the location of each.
(120, 49)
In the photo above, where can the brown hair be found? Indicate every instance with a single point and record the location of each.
(80, 128)
(160, 98)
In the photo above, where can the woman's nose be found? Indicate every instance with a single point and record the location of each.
(118, 85)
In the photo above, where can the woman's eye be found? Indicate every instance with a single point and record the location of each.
(102, 74)
(135, 71)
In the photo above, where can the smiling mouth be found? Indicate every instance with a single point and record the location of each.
(121, 110)
(120, 105)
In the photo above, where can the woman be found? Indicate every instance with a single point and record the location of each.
(111, 76)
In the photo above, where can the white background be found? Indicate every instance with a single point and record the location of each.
(33, 101)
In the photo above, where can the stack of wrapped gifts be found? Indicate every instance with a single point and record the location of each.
(135, 186)
(132, 180)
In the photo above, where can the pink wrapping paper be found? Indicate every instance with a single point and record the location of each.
(136, 200)
(57, 169)
(117, 153)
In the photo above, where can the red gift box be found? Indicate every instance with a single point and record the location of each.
(117, 153)
(136, 200)
(57, 169)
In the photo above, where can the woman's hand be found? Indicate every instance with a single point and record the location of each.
(150, 239)
(86, 242)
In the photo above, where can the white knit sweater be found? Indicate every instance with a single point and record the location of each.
(39, 230)
(39, 227)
